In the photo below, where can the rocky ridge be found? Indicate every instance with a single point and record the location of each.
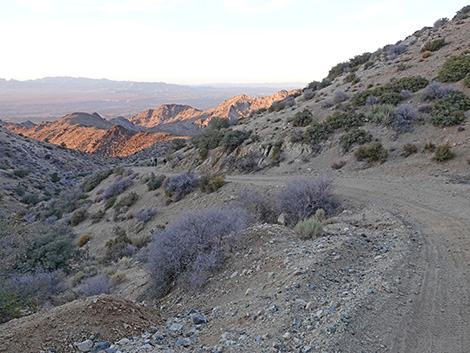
(92, 133)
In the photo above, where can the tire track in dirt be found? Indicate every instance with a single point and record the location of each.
(437, 316)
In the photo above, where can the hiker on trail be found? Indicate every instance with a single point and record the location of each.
(155, 161)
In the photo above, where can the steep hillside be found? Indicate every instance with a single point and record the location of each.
(334, 221)
(33, 171)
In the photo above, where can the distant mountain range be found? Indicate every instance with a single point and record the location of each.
(53, 97)
(122, 137)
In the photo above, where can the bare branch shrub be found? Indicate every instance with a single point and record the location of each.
(303, 196)
(117, 188)
(99, 284)
(259, 208)
(192, 248)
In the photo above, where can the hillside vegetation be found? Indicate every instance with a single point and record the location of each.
(333, 219)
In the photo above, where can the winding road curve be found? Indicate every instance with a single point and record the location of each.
(438, 316)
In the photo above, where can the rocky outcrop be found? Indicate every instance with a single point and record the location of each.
(122, 137)
(164, 114)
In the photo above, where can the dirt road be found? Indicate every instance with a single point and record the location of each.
(438, 314)
(432, 312)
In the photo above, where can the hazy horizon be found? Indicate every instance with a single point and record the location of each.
(204, 42)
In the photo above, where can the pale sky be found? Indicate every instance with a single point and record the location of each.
(201, 41)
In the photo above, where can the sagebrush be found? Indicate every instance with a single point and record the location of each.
(303, 196)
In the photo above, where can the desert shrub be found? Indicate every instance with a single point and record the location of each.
(98, 216)
(233, 139)
(317, 85)
(25, 293)
(190, 249)
(326, 104)
(66, 203)
(30, 199)
(449, 111)
(316, 133)
(277, 106)
(203, 153)
(208, 139)
(443, 153)
(303, 196)
(19, 190)
(459, 100)
(155, 182)
(54, 177)
(373, 152)
(119, 246)
(426, 54)
(345, 120)
(249, 162)
(340, 97)
(110, 203)
(126, 201)
(85, 238)
(10, 304)
(444, 113)
(409, 149)
(303, 118)
(455, 69)
(145, 214)
(354, 136)
(436, 91)
(118, 277)
(217, 123)
(143, 240)
(466, 80)
(440, 22)
(308, 93)
(99, 284)
(177, 144)
(393, 51)
(182, 184)
(78, 277)
(390, 93)
(352, 78)
(276, 154)
(21, 173)
(406, 94)
(117, 188)
(403, 118)
(309, 228)
(119, 170)
(425, 108)
(210, 183)
(50, 251)
(259, 207)
(372, 100)
(463, 13)
(78, 216)
(433, 45)
(351, 65)
(39, 284)
(429, 146)
(93, 181)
